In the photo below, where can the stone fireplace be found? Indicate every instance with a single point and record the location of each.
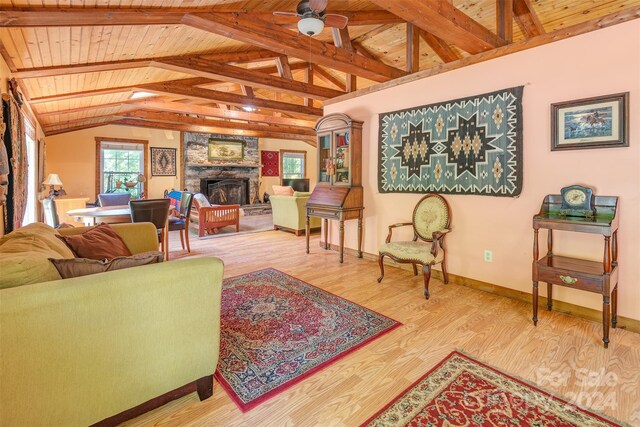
(222, 182)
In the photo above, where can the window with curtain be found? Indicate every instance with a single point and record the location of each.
(293, 164)
(120, 165)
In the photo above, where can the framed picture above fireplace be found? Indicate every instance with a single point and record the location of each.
(224, 150)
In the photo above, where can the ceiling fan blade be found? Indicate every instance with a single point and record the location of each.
(336, 21)
(318, 5)
(285, 13)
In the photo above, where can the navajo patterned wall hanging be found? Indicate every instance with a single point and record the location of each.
(270, 163)
(465, 146)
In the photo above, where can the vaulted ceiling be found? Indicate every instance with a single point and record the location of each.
(207, 62)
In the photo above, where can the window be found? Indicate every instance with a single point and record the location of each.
(32, 165)
(120, 164)
(294, 164)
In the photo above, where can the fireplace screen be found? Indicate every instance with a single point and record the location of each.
(227, 191)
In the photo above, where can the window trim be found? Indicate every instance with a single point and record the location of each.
(282, 151)
(145, 158)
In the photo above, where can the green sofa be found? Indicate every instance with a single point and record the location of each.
(78, 351)
(289, 212)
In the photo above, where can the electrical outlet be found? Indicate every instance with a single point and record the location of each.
(488, 255)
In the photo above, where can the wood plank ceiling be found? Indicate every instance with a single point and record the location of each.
(207, 62)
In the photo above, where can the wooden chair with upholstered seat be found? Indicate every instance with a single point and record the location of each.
(430, 222)
(180, 222)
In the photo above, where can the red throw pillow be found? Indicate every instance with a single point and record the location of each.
(100, 242)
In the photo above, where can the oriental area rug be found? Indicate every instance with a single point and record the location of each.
(461, 391)
(276, 330)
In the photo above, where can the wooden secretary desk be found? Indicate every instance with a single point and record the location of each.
(576, 273)
(338, 194)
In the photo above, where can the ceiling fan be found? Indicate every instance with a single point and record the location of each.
(313, 17)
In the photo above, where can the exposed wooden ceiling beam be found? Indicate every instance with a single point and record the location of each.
(73, 17)
(527, 18)
(329, 78)
(81, 121)
(220, 71)
(231, 57)
(440, 47)
(209, 111)
(247, 91)
(78, 109)
(60, 70)
(228, 98)
(504, 19)
(76, 17)
(372, 33)
(169, 117)
(413, 48)
(342, 39)
(272, 37)
(58, 131)
(363, 50)
(106, 91)
(309, 77)
(364, 17)
(273, 69)
(444, 20)
(214, 129)
(284, 68)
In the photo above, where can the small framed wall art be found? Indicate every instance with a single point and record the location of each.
(599, 122)
(163, 161)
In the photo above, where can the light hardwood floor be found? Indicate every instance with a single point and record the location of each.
(558, 354)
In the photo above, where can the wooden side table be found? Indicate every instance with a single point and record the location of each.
(591, 276)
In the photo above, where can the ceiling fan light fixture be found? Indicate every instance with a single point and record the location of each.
(310, 26)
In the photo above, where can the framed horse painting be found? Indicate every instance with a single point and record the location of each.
(599, 122)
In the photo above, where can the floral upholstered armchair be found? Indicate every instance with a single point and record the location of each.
(431, 219)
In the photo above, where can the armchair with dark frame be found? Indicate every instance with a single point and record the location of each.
(431, 221)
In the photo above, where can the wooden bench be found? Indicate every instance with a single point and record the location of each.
(210, 218)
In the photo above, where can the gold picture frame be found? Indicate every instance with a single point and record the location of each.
(224, 150)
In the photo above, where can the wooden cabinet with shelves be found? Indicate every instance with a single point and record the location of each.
(576, 273)
(338, 194)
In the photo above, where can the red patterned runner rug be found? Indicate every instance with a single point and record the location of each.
(461, 391)
(276, 330)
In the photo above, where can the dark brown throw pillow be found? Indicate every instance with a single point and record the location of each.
(98, 243)
(77, 267)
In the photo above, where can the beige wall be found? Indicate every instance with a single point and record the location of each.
(73, 157)
(598, 63)
(267, 182)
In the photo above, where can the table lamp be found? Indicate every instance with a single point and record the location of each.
(52, 180)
